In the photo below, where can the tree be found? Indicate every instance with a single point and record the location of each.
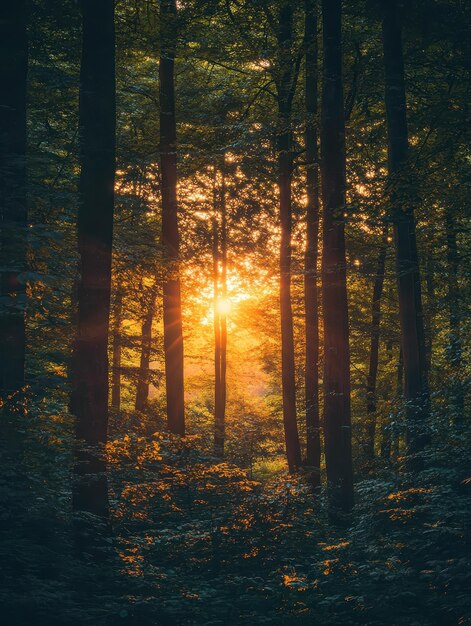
(220, 312)
(13, 201)
(337, 412)
(116, 370)
(142, 386)
(408, 274)
(371, 400)
(95, 229)
(173, 333)
(286, 83)
(313, 444)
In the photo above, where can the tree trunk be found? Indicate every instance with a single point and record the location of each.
(223, 315)
(285, 166)
(116, 370)
(142, 387)
(371, 399)
(337, 418)
(218, 436)
(172, 310)
(408, 273)
(220, 318)
(454, 341)
(313, 444)
(13, 207)
(95, 228)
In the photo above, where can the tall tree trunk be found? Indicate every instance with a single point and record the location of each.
(313, 444)
(220, 317)
(218, 435)
(13, 208)
(95, 228)
(408, 273)
(116, 370)
(172, 310)
(454, 341)
(223, 317)
(285, 167)
(371, 399)
(337, 417)
(142, 387)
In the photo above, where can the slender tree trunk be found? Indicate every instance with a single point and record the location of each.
(95, 228)
(337, 412)
(218, 435)
(223, 315)
(220, 319)
(172, 310)
(13, 208)
(408, 274)
(142, 387)
(311, 304)
(116, 371)
(455, 344)
(285, 166)
(371, 399)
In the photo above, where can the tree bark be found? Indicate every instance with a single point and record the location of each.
(337, 412)
(116, 370)
(13, 201)
(172, 310)
(95, 228)
(408, 274)
(285, 167)
(311, 305)
(142, 387)
(371, 398)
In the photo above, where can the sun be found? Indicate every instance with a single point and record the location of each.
(223, 305)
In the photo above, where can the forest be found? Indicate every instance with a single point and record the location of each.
(234, 312)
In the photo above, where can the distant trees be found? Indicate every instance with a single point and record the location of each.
(95, 229)
(13, 200)
(408, 273)
(337, 411)
(172, 313)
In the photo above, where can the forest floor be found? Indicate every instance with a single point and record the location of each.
(197, 542)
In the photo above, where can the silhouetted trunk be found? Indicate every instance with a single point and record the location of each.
(371, 399)
(95, 227)
(455, 344)
(143, 382)
(313, 445)
(172, 310)
(13, 208)
(220, 319)
(285, 166)
(223, 315)
(337, 418)
(408, 275)
(116, 371)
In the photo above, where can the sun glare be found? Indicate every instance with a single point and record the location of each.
(223, 306)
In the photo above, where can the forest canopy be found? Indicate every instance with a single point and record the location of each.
(234, 312)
